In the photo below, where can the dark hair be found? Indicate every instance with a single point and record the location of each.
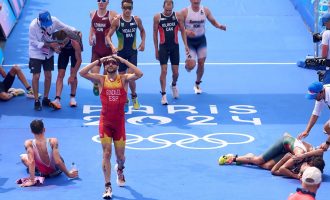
(318, 162)
(37, 126)
(126, 1)
(59, 35)
(165, 1)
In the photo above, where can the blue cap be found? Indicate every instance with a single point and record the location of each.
(45, 19)
(314, 89)
(325, 18)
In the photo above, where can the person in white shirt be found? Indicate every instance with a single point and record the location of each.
(41, 52)
(321, 93)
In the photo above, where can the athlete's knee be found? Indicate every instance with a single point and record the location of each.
(201, 62)
(258, 160)
(36, 76)
(15, 69)
(326, 127)
(106, 154)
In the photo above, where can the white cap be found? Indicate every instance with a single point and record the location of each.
(312, 176)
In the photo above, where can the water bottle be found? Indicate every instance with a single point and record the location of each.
(73, 168)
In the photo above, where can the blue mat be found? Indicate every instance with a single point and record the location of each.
(253, 93)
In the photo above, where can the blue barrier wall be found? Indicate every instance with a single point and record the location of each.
(306, 10)
(7, 19)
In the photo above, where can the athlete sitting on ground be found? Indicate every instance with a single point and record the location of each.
(6, 93)
(43, 157)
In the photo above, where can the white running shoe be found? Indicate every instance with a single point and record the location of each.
(56, 104)
(29, 94)
(73, 102)
(120, 176)
(107, 194)
(175, 92)
(197, 89)
(164, 100)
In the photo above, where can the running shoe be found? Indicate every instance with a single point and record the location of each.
(120, 176)
(197, 89)
(175, 92)
(16, 91)
(46, 102)
(136, 104)
(37, 105)
(30, 94)
(226, 159)
(96, 89)
(126, 107)
(73, 102)
(164, 100)
(56, 104)
(107, 194)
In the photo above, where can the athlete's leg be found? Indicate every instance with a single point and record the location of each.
(175, 74)
(35, 69)
(16, 70)
(120, 153)
(48, 68)
(74, 85)
(106, 165)
(326, 127)
(25, 159)
(162, 78)
(200, 70)
(59, 82)
(250, 159)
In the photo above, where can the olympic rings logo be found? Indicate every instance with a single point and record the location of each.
(165, 140)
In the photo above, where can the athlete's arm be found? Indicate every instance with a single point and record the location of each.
(276, 167)
(74, 70)
(183, 32)
(94, 77)
(137, 73)
(284, 170)
(300, 157)
(91, 30)
(184, 13)
(58, 161)
(113, 15)
(30, 164)
(213, 21)
(113, 28)
(309, 126)
(155, 34)
(142, 33)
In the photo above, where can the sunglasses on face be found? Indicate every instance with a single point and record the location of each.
(111, 62)
(127, 7)
(103, 1)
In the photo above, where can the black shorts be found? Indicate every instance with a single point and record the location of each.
(35, 65)
(63, 58)
(7, 83)
(166, 52)
(132, 58)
